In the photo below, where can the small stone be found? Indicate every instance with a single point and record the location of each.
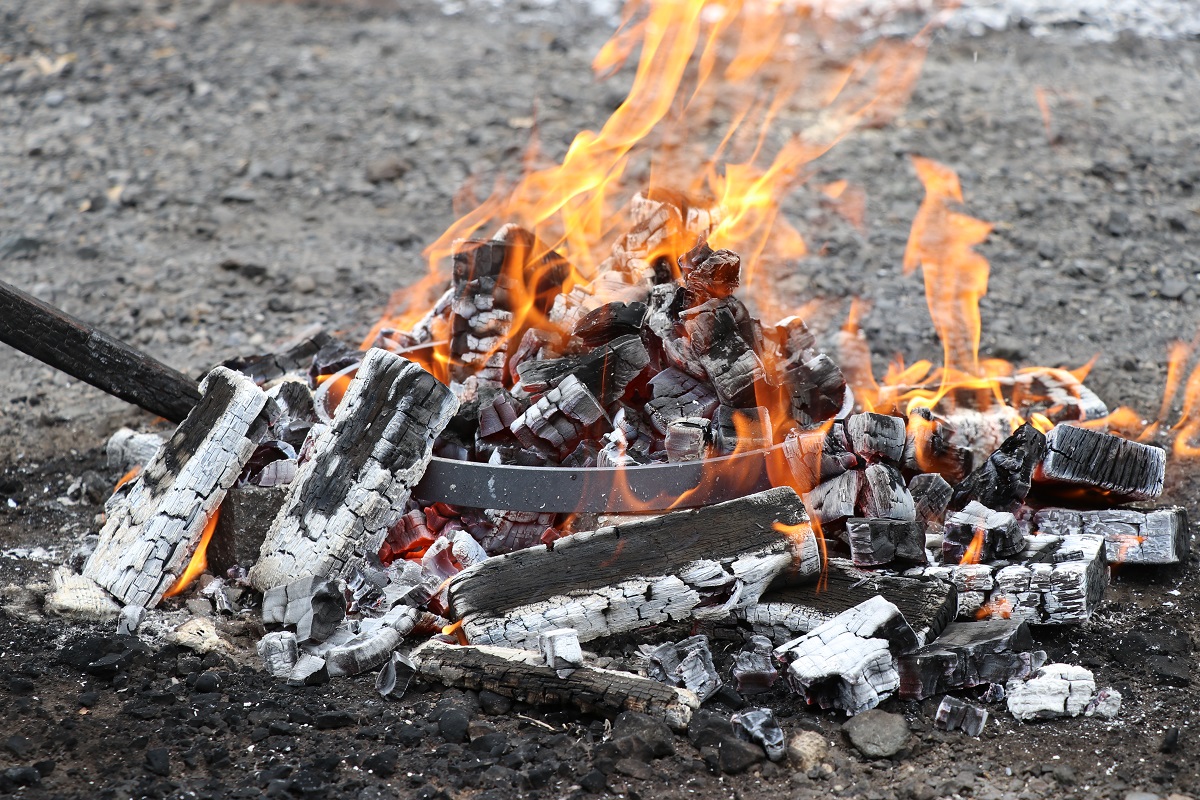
(635, 769)
(382, 764)
(735, 755)
(877, 734)
(304, 284)
(806, 750)
(1172, 289)
(330, 720)
(388, 168)
(23, 776)
(594, 782)
(45, 767)
(1141, 796)
(238, 194)
(207, 682)
(19, 746)
(54, 98)
(452, 724)
(158, 761)
(494, 704)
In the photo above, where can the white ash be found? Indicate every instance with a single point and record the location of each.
(1055, 690)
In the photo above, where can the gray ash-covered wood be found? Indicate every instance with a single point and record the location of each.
(68, 344)
(687, 439)
(883, 494)
(816, 456)
(817, 388)
(1121, 468)
(702, 562)
(606, 371)
(716, 335)
(741, 429)
(1056, 394)
(678, 395)
(1131, 536)
(930, 446)
(523, 675)
(359, 474)
(953, 714)
(928, 604)
(968, 654)
(995, 534)
(878, 542)
(152, 532)
(876, 437)
(611, 320)
(835, 499)
(559, 419)
(1003, 481)
(931, 494)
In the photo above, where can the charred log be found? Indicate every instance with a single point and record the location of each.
(1122, 468)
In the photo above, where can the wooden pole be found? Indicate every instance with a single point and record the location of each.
(58, 339)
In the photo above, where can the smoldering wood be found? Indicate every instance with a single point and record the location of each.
(968, 654)
(995, 534)
(295, 356)
(1122, 468)
(360, 473)
(728, 359)
(704, 562)
(883, 495)
(78, 597)
(1056, 394)
(678, 395)
(48, 334)
(687, 663)
(741, 430)
(513, 530)
(687, 439)
(818, 390)
(153, 531)
(606, 371)
(1003, 481)
(954, 715)
(1131, 536)
(366, 651)
(849, 661)
(560, 418)
(816, 456)
(931, 494)
(246, 515)
(709, 273)
(930, 446)
(782, 613)
(835, 499)
(522, 676)
(878, 542)
(610, 321)
(876, 437)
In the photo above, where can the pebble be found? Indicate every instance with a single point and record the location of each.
(452, 724)
(388, 168)
(158, 761)
(305, 284)
(806, 750)
(1173, 289)
(877, 734)
(54, 98)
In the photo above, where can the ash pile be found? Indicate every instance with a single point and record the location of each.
(894, 552)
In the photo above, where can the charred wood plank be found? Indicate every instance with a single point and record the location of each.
(524, 676)
(50, 335)
(1122, 468)
(1131, 536)
(152, 532)
(359, 475)
(705, 562)
(970, 654)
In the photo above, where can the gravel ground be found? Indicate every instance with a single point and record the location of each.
(193, 177)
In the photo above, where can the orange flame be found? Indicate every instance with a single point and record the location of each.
(974, 549)
(199, 561)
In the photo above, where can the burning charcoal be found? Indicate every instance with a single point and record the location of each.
(78, 597)
(1106, 704)
(818, 390)
(409, 535)
(358, 479)
(784, 613)
(539, 269)
(560, 648)
(848, 662)
(1004, 479)
(127, 449)
(817, 456)
(1157, 536)
(753, 668)
(1055, 690)
(953, 715)
(980, 534)
(395, 675)
(279, 653)
(498, 416)
(883, 494)
(585, 455)
(611, 320)
(295, 356)
(309, 670)
(758, 725)
(452, 552)
(606, 371)
(1119, 467)
(678, 395)
(152, 533)
(523, 673)
(930, 447)
(727, 357)
(876, 542)
(687, 439)
(931, 494)
(129, 620)
(628, 443)
(639, 574)
(876, 437)
(559, 420)
(512, 530)
(536, 345)
(835, 499)
(741, 429)
(709, 273)
(1056, 394)
(970, 654)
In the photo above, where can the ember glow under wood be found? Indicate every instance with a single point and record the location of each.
(1131, 536)
(153, 531)
(1121, 468)
(705, 562)
(970, 654)
(524, 676)
(848, 662)
(360, 473)
(928, 605)
(980, 533)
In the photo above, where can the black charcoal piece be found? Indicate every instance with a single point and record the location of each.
(955, 715)
(609, 321)
(1122, 468)
(816, 456)
(982, 533)
(754, 669)
(741, 429)
(970, 654)
(758, 725)
(1003, 481)
(929, 447)
(818, 390)
(883, 494)
(877, 542)
(931, 495)
(834, 500)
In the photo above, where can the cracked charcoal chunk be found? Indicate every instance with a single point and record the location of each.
(876, 436)
(995, 534)
(358, 478)
(1084, 457)
(1003, 481)
(152, 532)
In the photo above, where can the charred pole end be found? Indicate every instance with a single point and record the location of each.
(71, 345)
